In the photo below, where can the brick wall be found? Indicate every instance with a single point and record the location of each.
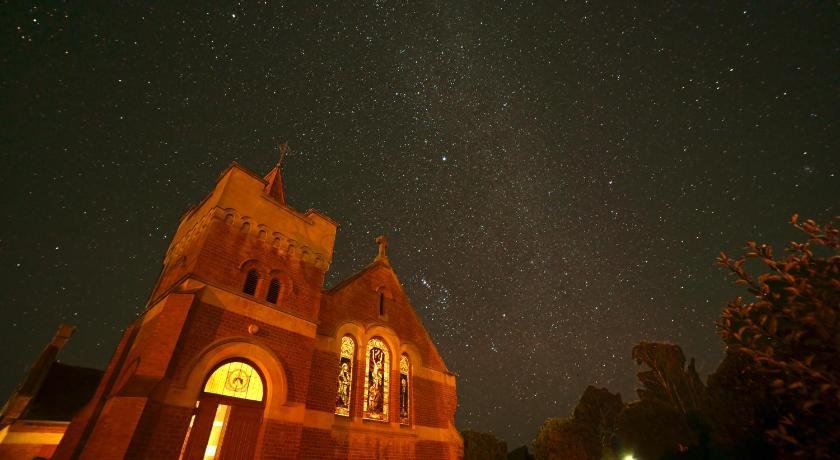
(207, 324)
(434, 403)
(319, 444)
(226, 248)
(434, 449)
(323, 385)
(82, 424)
(160, 432)
(358, 300)
(280, 441)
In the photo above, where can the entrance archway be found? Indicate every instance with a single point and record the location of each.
(228, 414)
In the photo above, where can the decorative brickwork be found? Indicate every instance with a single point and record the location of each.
(202, 313)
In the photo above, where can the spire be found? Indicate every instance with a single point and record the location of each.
(274, 178)
(383, 247)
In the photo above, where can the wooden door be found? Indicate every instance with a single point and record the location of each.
(200, 431)
(240, 440)
(236, 436)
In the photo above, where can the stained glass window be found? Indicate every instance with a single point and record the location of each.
(375, 405)
(404, 388)
(236, 379)
(345, 376)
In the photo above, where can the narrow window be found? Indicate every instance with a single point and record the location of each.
(404, 389)
(251, 279)
(273, 291)
(375, 405)
(345, 377)
(381, 303)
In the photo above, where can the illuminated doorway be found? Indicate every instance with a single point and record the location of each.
(227, 416)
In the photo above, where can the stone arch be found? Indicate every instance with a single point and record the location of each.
(286, 285)
(229, 216)
(188, 388)
(386, 333)
(249, 285)
(245, 225)
(277, 241)
(413, 353)
(262, 232)
(354, 330)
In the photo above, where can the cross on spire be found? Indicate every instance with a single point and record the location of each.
(383, 246)
(274, 179)
(284, 150)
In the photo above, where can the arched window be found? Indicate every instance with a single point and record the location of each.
(251, 280)
(378, 362)
(237, 380)
(404, 389)
(273, 291)
(345, 377)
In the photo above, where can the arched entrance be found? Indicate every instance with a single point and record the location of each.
(228, 414)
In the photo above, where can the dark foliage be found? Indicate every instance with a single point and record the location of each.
(775, 395)
(520, 453)
(790, 331)
(483, 446)
(564, 439)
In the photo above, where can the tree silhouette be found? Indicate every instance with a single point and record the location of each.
(790, 330)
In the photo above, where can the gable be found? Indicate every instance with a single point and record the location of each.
(358, 299)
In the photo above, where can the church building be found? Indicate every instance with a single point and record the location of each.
(242, 353)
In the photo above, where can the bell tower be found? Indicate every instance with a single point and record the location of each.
(242, 353)
(235, 308)
(245, 238)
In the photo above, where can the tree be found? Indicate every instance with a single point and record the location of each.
(483, 446)
(563, 439)
(740, 408)
(597, 412)
(520, 453)
(790, 331)
(668, 380)
(652, 429)
(672, 397)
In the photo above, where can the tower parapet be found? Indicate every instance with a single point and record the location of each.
(244, 224)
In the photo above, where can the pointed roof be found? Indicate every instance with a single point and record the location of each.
(274, 184)
(274, 178)
(342, 308)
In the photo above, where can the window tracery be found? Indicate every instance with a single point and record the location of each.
(345, 377)
(377, 363)
(404, 389)
(237, 380)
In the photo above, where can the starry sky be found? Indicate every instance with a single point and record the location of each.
(555, 179)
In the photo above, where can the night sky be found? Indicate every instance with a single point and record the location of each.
(555, 179)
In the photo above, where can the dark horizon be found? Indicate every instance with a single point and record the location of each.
(555, 183)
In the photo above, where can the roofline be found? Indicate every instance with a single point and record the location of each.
(371, 266)
(233, 164)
